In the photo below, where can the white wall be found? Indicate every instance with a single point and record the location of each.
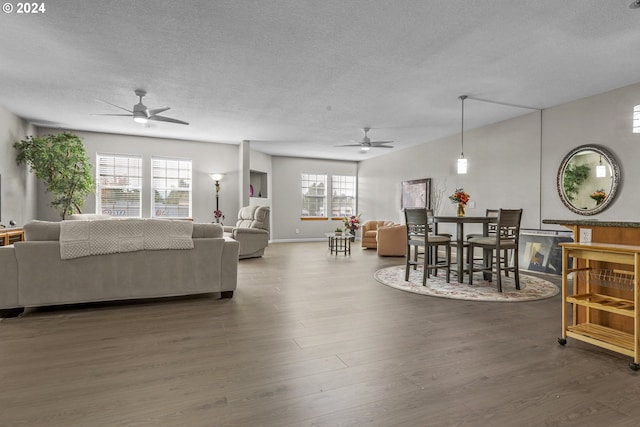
(261, 162)
(510, 166)
(206, 159)
(19, 186)
(287, 196)
(603, 119)
(502, 173)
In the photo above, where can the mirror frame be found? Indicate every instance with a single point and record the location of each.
(615, 176)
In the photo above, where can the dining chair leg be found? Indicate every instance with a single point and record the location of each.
(498, 271)
(425, 266)
(516, 271)
(448, 267)
(470, 264)
(505, 258)
(407, 264)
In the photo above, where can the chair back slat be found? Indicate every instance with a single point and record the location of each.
(492, 227)
(509, 223)
(416, 221)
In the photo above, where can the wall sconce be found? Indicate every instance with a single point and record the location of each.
(636, 119)
(217, 177)
(462, 162)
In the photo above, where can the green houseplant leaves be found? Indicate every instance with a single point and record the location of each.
(62, 163)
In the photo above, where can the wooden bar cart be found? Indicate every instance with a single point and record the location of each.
(603, 307)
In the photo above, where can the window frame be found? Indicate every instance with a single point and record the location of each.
(340, 183)
(309, 177)
(100, 186)
(181, 162)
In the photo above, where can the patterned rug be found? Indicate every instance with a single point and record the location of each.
(531, 288)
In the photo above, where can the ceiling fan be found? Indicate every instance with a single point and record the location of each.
(366, 144)
(141, 113)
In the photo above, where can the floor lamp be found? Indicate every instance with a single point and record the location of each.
(217, 177)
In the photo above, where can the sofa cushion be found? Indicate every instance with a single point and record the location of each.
(99, 237)
(41, 231)
(89, 217)
(207, 230)
(46, 230)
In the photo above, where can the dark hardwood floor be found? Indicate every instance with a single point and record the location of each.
(309, 339)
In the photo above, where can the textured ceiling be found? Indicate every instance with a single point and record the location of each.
(299, 77)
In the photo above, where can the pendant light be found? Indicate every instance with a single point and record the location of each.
(601, 170)
(462, 162)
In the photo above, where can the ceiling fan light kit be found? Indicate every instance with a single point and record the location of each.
(142, 114)
(367, 144)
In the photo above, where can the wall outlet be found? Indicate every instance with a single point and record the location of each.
(297, 231)
(585, 235)
(472, 205)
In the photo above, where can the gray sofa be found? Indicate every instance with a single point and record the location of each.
(34, 274)
(251, 230)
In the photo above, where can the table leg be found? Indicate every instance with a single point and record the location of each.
(460, 251)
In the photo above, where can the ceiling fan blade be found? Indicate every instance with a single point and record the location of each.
(114, 105)
(376, 143)
(167, 119)
(349, 145)
(382, 146)
(158, 110)
(103, 114)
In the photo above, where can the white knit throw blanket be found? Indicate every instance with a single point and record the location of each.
(99, 237)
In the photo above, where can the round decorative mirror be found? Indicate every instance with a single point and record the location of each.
(588, 179)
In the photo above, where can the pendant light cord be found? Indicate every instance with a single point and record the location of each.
(462, 98)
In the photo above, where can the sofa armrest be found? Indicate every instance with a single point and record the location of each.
(9, 280)
(228, 228)
(248, 231)
(229, 265)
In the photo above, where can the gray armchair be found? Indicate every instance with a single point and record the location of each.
(251, 230)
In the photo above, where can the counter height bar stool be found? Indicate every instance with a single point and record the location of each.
(417, 222)
(506, 239)
(492, 227)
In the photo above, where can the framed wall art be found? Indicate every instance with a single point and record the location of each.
(416, 194)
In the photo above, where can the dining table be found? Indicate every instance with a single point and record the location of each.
(460, 221)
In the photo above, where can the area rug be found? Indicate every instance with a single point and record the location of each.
(531, 288)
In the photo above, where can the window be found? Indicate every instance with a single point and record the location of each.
(636, 119)
(119, 184)
(314, 195)
(343, 196)
(171, 182)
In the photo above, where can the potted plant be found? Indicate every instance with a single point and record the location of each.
(62, 163)
(338, 231)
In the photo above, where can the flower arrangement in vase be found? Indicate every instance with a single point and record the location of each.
(460, 197)
(352, 224)
(598, 196)
(217, 214)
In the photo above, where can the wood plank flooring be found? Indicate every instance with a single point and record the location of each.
(309, 339)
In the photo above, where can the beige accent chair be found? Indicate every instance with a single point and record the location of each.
(392, 240)
(370, 233)
(251, 230)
